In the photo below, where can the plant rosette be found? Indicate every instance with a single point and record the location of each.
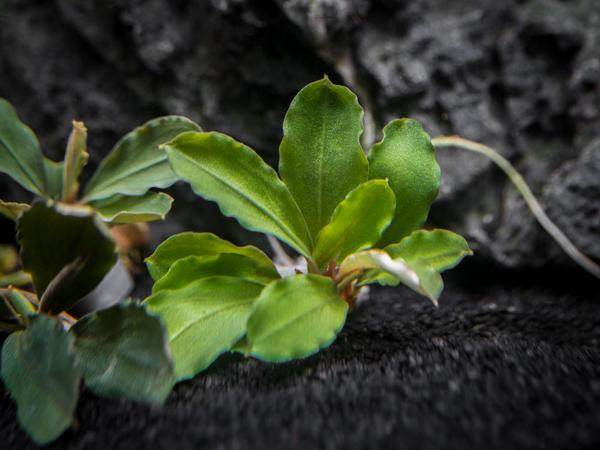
(354, 219)
(66, 250)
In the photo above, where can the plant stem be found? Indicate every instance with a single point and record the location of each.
(279, 251)
(561, 239)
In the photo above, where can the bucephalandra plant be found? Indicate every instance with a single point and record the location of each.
(66, 250)
(354, 218)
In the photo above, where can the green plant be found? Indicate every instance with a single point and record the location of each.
(119, 190)
(66, 250)
(354, 219)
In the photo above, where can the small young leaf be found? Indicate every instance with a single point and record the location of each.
(124, 352)
(136, 164)
(419, 277)
(76, 158)
(54, 178)
(295, 317)
(241, 183)
(187, 244)
(55, 237)
(204, 319)
(357, 223)
(12, 210)
(321, 158)
(406, 158)
(20, 154)
(129, 209)
(439, 249)
(187, 270)
(15, 306)
(40, 371)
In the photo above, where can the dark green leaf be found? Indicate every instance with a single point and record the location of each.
(204, 319)
(321, 158)
(55, 237)
(187, 244)
(187, 270)
(295, 317)
(241, 183)
(136, 164)
(40, 371)
(20, 154)
(406, 158)
(124, 352)
(128, 209)
(357, 223)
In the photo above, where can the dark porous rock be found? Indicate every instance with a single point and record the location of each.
(504, 363)
(520, 76)
(574, 195)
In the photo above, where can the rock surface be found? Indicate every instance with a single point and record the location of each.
(501, 364)
(522, 76)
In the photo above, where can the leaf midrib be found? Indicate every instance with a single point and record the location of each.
(23, 169)
(276, 220)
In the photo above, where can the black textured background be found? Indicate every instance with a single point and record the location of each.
(511, 358)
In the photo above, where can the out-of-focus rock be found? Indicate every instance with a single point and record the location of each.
(520, 76)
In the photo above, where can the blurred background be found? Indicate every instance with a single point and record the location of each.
(522, 76)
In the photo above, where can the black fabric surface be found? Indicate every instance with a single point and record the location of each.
(506, 362)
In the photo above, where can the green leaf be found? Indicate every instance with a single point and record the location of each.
(12, 210)
(69, 244)
(54, 178)
(295, 317)
(321, 158)
(40, 371)
(238, 180)
(419, 277)
(20, 154)
(357, 223)
(187, 244)
(187, 270)
(76, 158)
(439, 249)
(204, 319)
(406, 158)
(136, 164)
(128, 209)
(15, 308)
(124, 352)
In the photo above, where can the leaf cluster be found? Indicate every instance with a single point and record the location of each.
(353, 218)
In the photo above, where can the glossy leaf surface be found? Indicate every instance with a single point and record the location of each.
(295, 317)
(204, 319)
(231, 174)
(406, 158)
(321, 159)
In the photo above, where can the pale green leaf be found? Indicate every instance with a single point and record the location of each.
(321, 158)
(357, 223)
(54, 178)
(129, 209)
(204, 319)
(20, 154)
(295, 317)
(124, 352)
(66, 247)
(12, 210)
(187, 244)
(439, 249)
(241, 183)
(406, 158)
(187, 270)
(136, 164)
(40, 371)
(76, 158)
(420, 278)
